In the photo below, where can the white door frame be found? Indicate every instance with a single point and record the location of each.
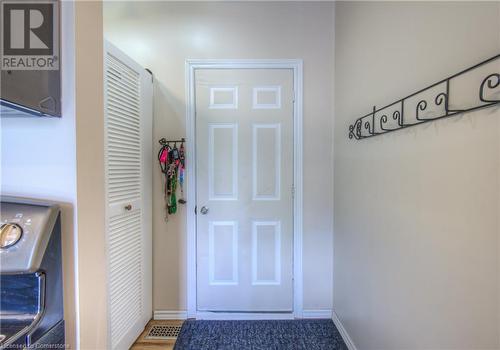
(192, 65)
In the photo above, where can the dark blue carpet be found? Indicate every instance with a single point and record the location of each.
(256, 335)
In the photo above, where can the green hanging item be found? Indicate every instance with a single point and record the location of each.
(172, 203)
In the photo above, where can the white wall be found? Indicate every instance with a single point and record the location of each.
(38, 161)
(417, 231)
(162, 35)
(89, 106)
(62, 159)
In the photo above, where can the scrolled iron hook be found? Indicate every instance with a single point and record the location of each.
(440, 98)
(383, 120)
(368, 127)
(397, 116)
(489, 82)
(421, 106)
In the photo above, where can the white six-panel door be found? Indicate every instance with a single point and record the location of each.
(128, 124)
(244, 180)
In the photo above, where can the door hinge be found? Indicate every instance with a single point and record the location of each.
(195, 213)
(293, 96)
(293, 191)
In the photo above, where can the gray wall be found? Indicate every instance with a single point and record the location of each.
(161, 36)
(416, 253)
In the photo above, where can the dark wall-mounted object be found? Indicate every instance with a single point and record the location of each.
(163, 141)
(25, 92)
(36, 93)
(414, 109)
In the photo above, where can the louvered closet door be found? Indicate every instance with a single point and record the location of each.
(128, 110)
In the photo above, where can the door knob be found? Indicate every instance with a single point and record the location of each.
(204, 210)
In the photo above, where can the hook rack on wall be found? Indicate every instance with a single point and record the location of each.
(415, 109)
(172, 164)
(164, 141)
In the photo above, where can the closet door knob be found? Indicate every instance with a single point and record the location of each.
(204, 210)
(128, 207)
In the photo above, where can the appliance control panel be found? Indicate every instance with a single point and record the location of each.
(13, 225)
(25, 230)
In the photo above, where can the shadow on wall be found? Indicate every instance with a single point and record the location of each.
(68, 248)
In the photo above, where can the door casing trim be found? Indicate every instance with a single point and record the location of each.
(191, 66)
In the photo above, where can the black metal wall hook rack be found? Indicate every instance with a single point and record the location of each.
(163, 141)
(411, 110)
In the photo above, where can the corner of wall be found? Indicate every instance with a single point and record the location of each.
(498, 215)
(89, 101)
(333, 156)
(70, 247)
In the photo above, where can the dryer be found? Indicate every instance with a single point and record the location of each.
(31, 285)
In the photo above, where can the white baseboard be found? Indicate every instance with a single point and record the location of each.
(325, 313)
(207, 315)
(347, 339)
(169, 315)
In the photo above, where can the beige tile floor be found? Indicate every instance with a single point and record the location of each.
(153, 344)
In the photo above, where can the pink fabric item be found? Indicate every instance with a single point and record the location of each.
(164, 156)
